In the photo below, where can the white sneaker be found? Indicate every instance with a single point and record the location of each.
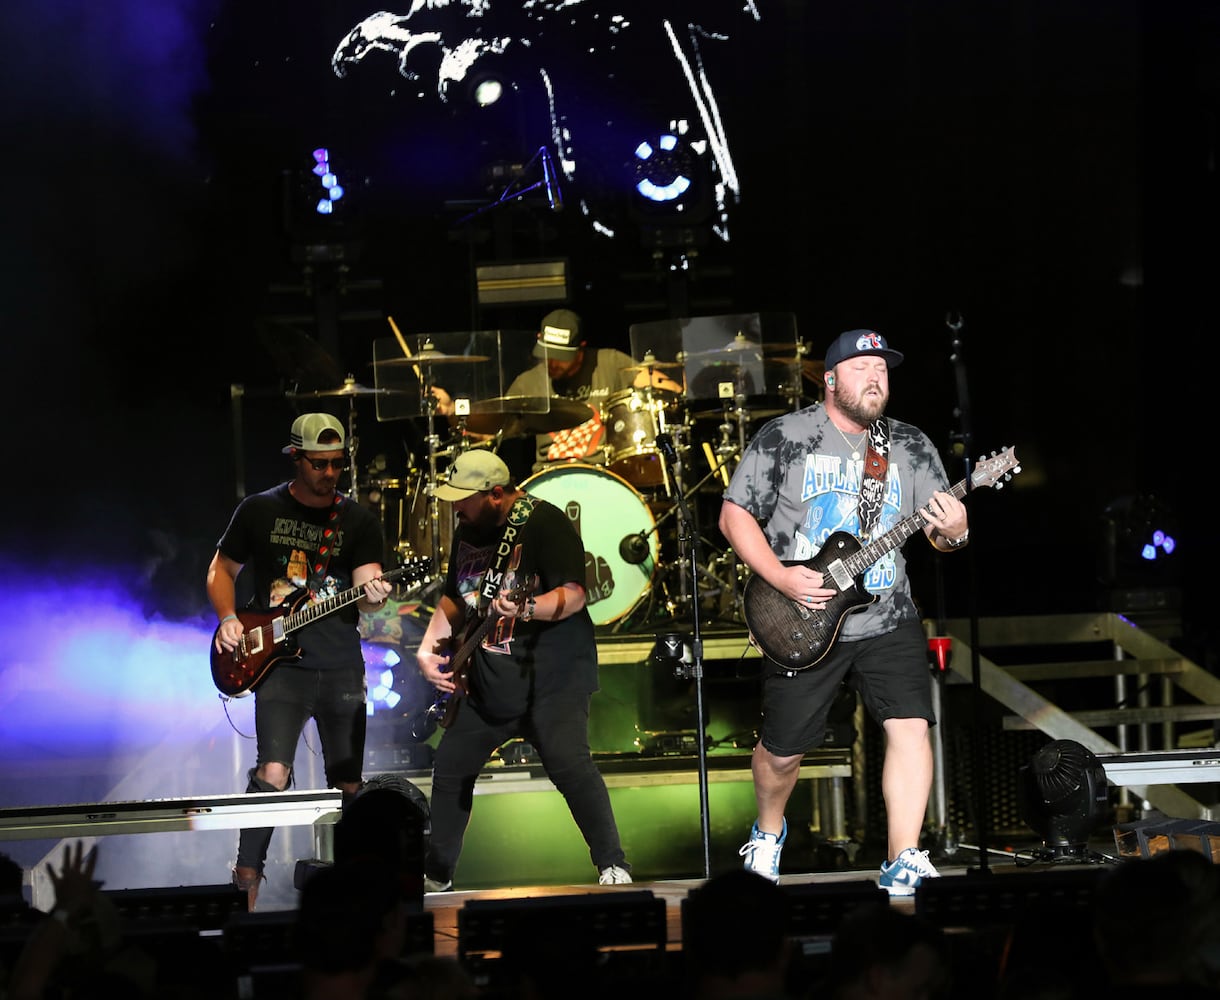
(614, 875)
(432, 885)
(903, 875)
(762, 852)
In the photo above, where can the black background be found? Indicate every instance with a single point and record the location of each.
(1044, 171)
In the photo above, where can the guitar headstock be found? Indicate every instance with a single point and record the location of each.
(996, 470)
(414, 572)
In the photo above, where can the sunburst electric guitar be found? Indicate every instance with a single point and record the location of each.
(799, 637)
(265, 641)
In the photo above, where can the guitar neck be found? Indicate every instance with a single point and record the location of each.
(864, 557)
(311, 613)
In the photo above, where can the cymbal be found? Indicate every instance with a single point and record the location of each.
(350, 387)
(435, 358)
(762, 413)
(517, 416)
(649, 366)
(740, 345)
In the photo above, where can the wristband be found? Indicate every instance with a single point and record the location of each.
(228, 618)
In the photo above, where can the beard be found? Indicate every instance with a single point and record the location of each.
(482, 526)
(862, 408)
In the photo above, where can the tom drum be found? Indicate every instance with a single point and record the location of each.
(632, 422)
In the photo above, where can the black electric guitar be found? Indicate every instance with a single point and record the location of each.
(798, 637)
(444, 709)
(264, 643)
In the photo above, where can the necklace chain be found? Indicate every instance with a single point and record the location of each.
(855, 448)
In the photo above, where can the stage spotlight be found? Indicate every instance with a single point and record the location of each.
(486, 89)
(379, 663)
(671, 192)
(1063, 795)
(1140, 535)
(332, 190)
(673, 650)
(664, 170)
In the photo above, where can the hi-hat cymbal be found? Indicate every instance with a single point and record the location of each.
(517, 416)
(435, 358)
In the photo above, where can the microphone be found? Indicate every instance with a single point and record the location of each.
(634, 548)
(550, 181)
(666, 444)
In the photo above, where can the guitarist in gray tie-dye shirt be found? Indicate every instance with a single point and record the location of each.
(797, 490)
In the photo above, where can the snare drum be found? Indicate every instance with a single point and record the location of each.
(605, 509)
(632, 423)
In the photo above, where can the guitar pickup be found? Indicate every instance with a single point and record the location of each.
(842, 578)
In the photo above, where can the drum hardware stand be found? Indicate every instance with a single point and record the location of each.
(634, 548)
(434, 514)
(688, 540)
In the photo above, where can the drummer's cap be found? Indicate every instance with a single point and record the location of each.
(473, 472)
(306, 430)
(560, 335)
(853, 343)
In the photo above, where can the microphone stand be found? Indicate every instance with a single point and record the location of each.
(513, 193)
(689, 542)
(981, 821)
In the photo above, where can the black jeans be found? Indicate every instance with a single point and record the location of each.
(558, 728)
(288, 698)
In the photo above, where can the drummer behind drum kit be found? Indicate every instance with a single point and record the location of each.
(618, 507)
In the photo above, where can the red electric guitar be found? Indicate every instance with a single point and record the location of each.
(264, 642)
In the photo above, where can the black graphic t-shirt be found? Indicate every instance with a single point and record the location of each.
(799, 481)
(276, 538)
(520, 661)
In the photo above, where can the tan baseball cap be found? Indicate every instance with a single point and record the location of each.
(473, 472)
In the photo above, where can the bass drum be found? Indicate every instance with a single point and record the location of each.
(605, 510)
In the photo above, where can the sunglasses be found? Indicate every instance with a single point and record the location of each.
(320, 464)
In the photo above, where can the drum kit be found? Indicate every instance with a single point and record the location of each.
(626, 501)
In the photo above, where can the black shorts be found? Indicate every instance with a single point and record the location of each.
(890, 672)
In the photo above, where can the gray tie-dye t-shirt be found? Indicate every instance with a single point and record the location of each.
(798, 480)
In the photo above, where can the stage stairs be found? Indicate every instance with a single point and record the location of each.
(1142, 751)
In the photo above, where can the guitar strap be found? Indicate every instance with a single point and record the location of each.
(493, 577)
(876, 468)
(317, 572)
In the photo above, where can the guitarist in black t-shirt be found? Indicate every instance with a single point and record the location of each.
(302, 536)
(516, 580)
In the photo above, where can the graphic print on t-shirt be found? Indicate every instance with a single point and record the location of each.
(831, 488)
(471, 563)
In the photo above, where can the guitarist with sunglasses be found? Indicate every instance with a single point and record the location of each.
(301, 541)
(828, 475)
(510, 649)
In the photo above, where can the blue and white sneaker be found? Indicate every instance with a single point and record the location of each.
(903, 875)
(762, 852)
